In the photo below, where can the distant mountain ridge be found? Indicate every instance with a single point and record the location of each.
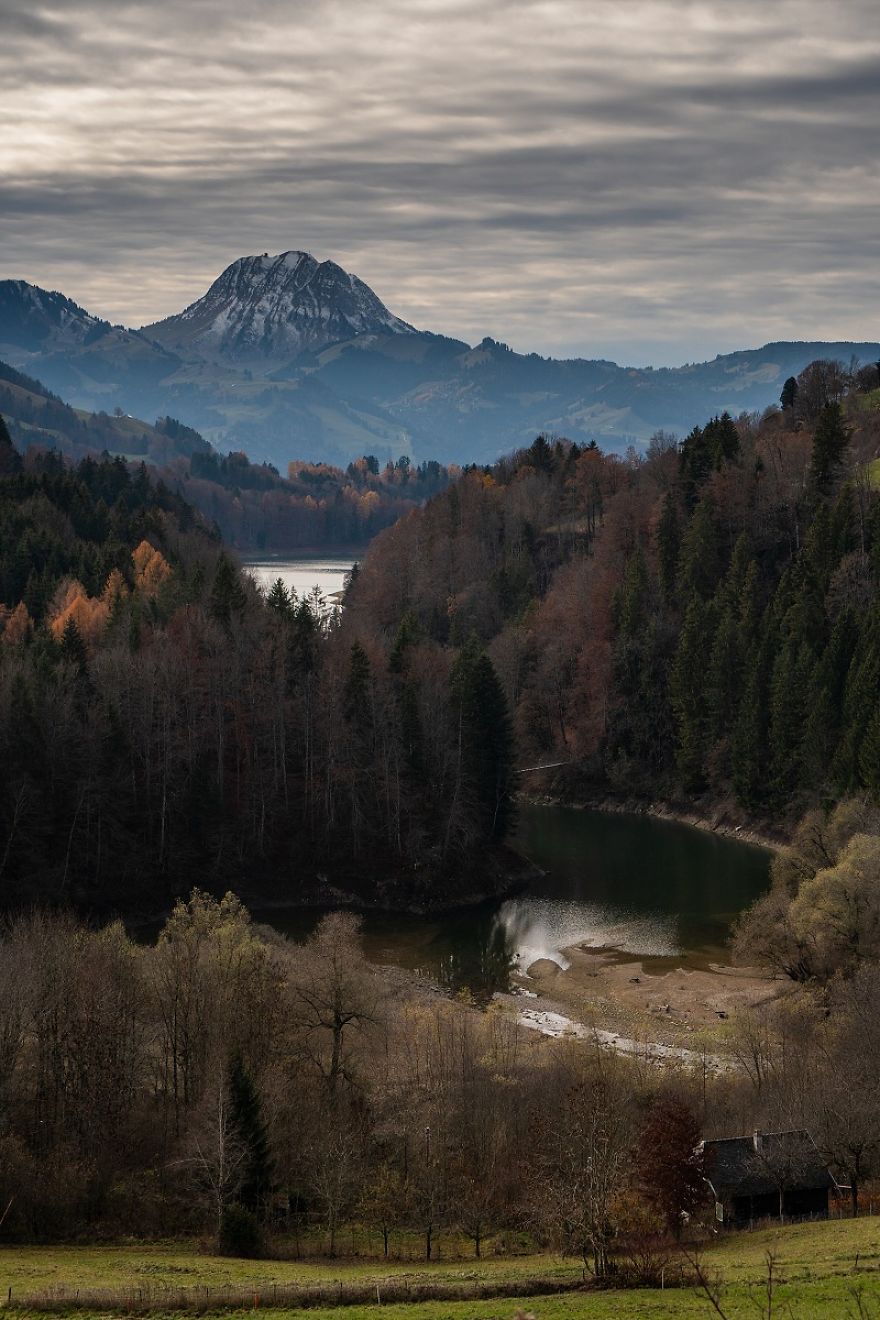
(286, 357)
(267, 310)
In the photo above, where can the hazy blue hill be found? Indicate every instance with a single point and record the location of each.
(258, 364)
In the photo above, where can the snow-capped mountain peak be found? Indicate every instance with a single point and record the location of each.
(267, 309)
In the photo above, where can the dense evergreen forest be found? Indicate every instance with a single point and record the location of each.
(701, 622)
(698, 622)
(159, 718)
(254, 507)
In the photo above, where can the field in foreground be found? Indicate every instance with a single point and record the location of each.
(823, 1265)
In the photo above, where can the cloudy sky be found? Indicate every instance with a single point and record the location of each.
(648, 180)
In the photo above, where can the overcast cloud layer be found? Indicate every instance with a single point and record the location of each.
(649, 180)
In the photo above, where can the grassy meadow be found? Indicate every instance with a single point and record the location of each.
(830, 1270)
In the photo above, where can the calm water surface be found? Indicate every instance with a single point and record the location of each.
(649, 889)
(326, 572)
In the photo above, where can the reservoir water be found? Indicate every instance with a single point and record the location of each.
(303, 573)
(647, 889)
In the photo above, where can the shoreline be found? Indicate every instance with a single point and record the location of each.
(716, 823)
(674, 1013)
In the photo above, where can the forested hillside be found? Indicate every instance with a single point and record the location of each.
(253, 505)
(699, 621)
(159, 719)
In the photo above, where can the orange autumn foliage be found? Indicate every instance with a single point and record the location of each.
(151, 568)
(71, 601)
(115, 589)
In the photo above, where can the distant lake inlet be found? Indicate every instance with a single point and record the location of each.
(302, 574)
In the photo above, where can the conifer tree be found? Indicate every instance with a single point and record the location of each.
(749, 761)
(700, 562)
(278, 598)
(869, 756)
(487, 741)
(860, 695)
(687, 693)
(246, 1122)
(722, 439)
(829, 446)
(227, 593)
(668, 546)
(724, 678)
(10, 458)
(357, 687)
(73, 648)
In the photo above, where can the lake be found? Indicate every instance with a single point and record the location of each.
(303, 573)
(649, 889)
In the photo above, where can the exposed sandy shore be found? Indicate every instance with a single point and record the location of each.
(658, 1001)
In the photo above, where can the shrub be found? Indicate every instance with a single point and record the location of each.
(240, 1233)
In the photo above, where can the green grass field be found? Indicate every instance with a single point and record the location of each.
(822, 1265)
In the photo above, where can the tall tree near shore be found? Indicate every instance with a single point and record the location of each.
(487, 742)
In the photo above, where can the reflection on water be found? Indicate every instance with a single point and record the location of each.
(542, 927)
(644, 887)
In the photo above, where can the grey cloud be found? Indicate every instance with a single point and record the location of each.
(660, 178)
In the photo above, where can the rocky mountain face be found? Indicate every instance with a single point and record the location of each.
(285, 357)
(267, 310)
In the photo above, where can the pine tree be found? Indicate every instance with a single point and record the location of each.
(724, 679)
(694, 465)
(788, 397)
(789, 689)
(487, 741)
(722, 439)
(73, 648)
(749, 762)
(540, 455)
(700, 562)
(408, 634)
(357, 688)
(869, 756)
(829, 446)
(246, 1122)
(688, 696)
(860, 695)
(227, 593)
(668, 546)
(632, 604)
(278, 598)
(10, 458)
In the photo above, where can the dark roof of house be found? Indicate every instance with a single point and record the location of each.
(764, 1162)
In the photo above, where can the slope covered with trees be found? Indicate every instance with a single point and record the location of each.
(701, 621)
(252, 504)
(159, 716)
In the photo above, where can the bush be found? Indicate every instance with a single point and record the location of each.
(240, 1233)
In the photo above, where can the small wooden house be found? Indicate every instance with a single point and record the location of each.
(769, 1174)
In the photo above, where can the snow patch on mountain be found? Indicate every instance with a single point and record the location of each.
(267, 309)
